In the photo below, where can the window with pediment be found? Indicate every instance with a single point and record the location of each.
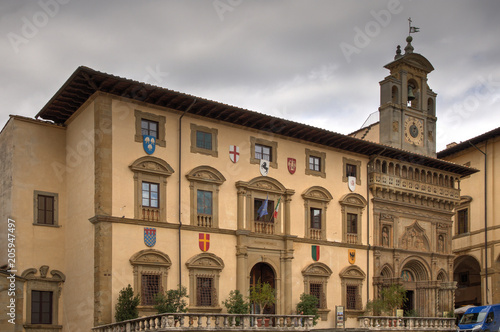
(204, 274)
(204, 183)
(251, 196)
(316, 277)
(352, 206)
(150, 268)
(352, 278)
(43, 293)
(150, 188)
(316, 200)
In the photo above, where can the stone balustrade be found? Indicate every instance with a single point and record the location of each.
(208, 322)
(386, 323)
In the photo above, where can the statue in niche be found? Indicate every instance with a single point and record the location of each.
(385, 237)
(441, 243)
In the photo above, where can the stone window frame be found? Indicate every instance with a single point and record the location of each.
(463, 205)
(322, 157)
(209, 179)
(43, 283)
(205, 265)
(150, 261)
(354, 204)
(213, 131)
(154, 170)
(140, 115)
(352, 276)
(36, 194)
(357, 163)
(274, 151)
(318, 273)
(316, 197)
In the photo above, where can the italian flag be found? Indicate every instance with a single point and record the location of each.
(275, 214)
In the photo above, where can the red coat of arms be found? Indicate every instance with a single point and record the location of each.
(204, 241)
(292, 165)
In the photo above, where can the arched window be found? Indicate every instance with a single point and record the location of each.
(204, 274)
(352, 206)
(316, 277)
(316, 200)
(352, 278)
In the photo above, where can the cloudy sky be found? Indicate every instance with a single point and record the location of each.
(315, 62)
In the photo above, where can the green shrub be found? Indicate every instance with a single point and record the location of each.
(236, 304)
(308, 305)
(171, 301)
(126, 308)
(262, 295)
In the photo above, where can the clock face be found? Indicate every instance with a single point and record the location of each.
(414, 130)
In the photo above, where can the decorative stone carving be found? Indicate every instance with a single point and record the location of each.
(414, 238)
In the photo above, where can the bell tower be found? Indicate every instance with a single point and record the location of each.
(407, 104)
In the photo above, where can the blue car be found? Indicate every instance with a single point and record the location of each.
(485, 318)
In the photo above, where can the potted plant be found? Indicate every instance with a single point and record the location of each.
(236, 304)
(126, 308)
(261, 296)
(308, 305)
(171, 301)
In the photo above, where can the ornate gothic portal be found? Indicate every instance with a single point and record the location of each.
(413, 210)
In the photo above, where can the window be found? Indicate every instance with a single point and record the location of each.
(204, 196)
(316, 277)
(150, 195)
(263, 152)
(315, 218)
(352, 206)
(204, 140)
(204, 271)
(351, 167)
(263, 149)
(204, 289)
(316, 200)
(463, 222)
(352, 297)
(43, 292)
(315, 163)
(267, 214)
(45, 208)
(150, 188)
(352, 278)
(316, 289)
(150, 286)
(149, 128)
(150, 270)
(204, 202)
(149, 124)
(352, 223)
(41, 307)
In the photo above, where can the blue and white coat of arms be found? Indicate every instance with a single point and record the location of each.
(149, 143)
(149, 236)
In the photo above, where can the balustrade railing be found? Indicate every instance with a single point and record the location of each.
(407, 323)
(205, 321)
(204, 220)
(264, 227)
(150, 214)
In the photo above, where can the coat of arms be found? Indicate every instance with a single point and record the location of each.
(264, 167)
(149, 236)
(234, 153)
(292, 165)
(204, 241)
(149, 143)
(352, 256)
(351, 180)
(315, 253)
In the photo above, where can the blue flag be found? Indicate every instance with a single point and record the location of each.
(262, 211)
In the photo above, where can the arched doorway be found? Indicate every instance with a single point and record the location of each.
(265, 274)
(467, 274)
(418, 300)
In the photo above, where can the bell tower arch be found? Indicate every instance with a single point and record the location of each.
(407, 104)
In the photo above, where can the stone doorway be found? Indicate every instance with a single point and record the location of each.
(264, 273)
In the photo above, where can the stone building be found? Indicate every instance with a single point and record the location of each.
(117, 182)
(475, 232)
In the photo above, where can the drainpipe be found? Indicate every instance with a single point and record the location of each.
(368, 225)
(180, 191)
(485, 218)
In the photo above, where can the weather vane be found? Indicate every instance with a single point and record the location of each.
(412, 29)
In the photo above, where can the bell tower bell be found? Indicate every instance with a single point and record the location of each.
(407, 104)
